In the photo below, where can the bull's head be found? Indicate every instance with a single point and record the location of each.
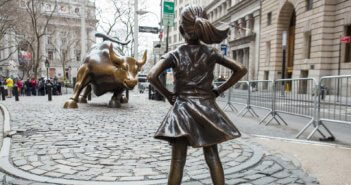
(128, 68)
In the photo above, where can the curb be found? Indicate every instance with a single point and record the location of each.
(305, 142)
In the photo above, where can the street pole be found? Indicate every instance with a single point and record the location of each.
(83, 30)
(284, 40)
(136, 29)
(47, 73)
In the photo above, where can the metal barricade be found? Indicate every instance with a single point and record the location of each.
(261, 95)
(294, 97)
(333, 103)
(237, 94)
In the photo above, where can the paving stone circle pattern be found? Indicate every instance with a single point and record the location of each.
(98, 143)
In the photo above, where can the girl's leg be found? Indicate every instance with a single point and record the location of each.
(179, 150)
(215, 165)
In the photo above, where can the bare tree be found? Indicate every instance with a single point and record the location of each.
(120, 25)
(67, 43)
(8, 11)
(36, 18)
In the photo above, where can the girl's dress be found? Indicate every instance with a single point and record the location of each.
(195, 116)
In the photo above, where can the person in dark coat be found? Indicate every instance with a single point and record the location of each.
(195, 119)
(27, 87)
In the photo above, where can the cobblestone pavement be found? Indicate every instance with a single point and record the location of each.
(97, 143)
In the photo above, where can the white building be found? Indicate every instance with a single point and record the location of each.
(70, 34)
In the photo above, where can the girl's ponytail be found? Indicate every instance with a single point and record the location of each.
(207, 33)
(194, 25)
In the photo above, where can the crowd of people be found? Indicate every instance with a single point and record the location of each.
(30, 87)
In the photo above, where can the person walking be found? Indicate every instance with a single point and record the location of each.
(195, 119)
(19, 86)
(33, 85)
(9, 84)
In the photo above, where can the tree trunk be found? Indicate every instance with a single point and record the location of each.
(37, 59)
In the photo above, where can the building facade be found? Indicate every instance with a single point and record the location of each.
(175, 38)
(310, 30)
(243, 18)
(69, 34)
(73, 29)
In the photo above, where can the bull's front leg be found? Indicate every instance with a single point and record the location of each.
(82, 80)
(86, 92)
(115, 101)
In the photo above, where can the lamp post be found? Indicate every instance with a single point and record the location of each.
(47, 65)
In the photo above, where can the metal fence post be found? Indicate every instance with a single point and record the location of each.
(248, 107)
(229, 103)
(3, 93)
(15, 92)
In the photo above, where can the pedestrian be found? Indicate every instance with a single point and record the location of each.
(19, 86)
(195, 119)
(33, 84)
(27, 87)
(9, 85)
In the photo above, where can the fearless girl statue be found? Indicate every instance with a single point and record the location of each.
(195, 118)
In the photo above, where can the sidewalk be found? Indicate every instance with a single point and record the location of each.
(330, 164)
(98, 145)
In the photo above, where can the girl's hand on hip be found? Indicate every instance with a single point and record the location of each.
(171, 98)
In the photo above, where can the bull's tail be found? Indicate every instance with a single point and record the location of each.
(106, 37)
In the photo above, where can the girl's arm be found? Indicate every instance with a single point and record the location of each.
(153, 78)
(238, 71)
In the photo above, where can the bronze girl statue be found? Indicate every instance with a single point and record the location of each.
(195, 118)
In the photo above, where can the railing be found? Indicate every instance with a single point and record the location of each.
(328, 100)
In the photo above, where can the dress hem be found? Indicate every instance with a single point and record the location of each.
(174, 138)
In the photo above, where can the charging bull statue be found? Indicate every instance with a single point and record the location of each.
(104, 71)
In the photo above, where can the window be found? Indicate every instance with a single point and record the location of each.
(348, 46)
(308, 44)
(309, 5)
(268, 52)
(50, 54)
(269, 18)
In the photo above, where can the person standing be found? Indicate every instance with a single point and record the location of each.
(195, 119)
(19, 87)
(9, 84)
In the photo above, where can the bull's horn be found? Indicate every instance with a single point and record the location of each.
(143, 61)
(113, 57)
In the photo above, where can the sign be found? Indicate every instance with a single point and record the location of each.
(224, 49)
(148, 29)
(168, 7)
(346, 39)
(168, 14)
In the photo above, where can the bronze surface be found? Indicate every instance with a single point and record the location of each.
(195, 118)
(104, 71)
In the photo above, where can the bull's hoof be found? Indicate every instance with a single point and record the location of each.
(124, 99)
(70, 104)
(114, 104)
(82, 100)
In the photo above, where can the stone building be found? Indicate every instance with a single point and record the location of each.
(175, 38)
(73, 28)
(243, 18)
(70, 33)
(313, 29)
